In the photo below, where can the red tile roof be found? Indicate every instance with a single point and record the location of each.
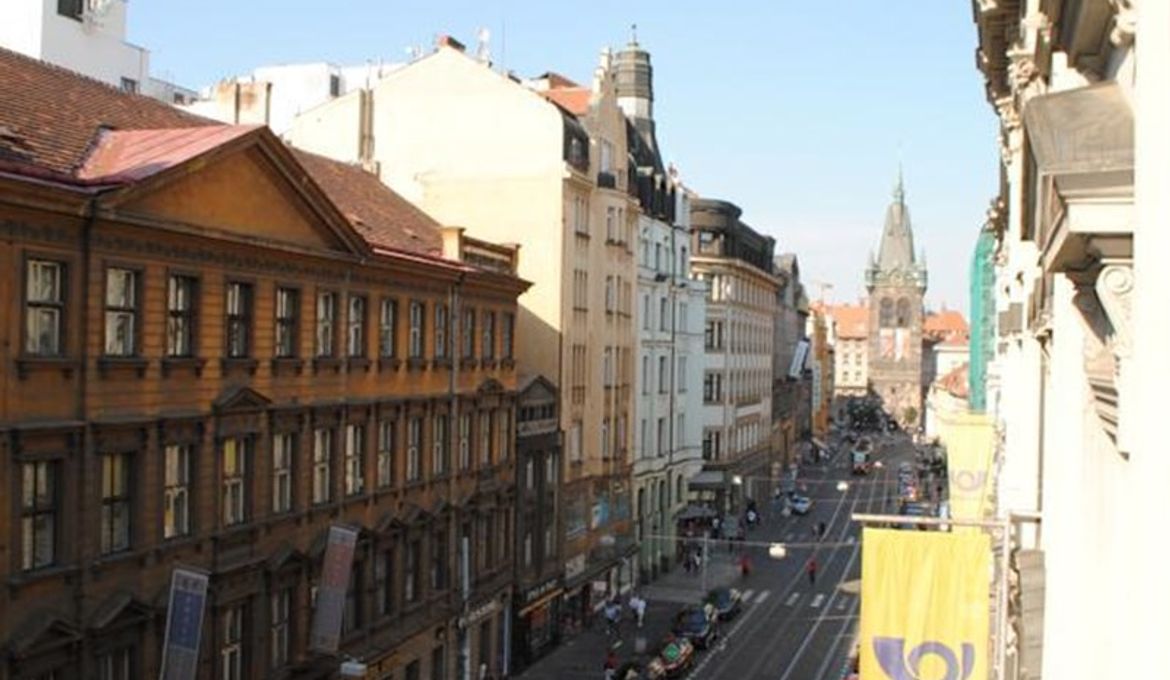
(49, 116)
(130, 155)
(384, 218)
(943, 325)
(575, 100)
(852, 320)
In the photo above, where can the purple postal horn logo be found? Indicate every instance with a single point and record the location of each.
(898, 665)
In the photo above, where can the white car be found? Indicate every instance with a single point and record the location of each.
(800, 505)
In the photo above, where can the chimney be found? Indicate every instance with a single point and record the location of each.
(445, 40)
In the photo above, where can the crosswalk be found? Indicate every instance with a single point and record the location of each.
(760, 596)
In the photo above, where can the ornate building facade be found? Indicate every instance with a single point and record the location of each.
(896, 283)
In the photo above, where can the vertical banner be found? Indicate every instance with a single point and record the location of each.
(970, 445)
(924, 605)
(184, 624)
(335, 572)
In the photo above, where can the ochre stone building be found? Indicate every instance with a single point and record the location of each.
(215, 349)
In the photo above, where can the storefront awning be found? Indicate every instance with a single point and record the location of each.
(708, 479)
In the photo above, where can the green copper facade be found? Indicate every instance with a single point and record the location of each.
(982, 319)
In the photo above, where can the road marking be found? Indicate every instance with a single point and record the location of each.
(789, 536)
(841, 603)
(747, 595)
(817, 600)
(792, 599)
(763, 596)
(850, 539)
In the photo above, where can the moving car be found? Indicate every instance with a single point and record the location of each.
(673, 658)
(800, 505)
(727, 602)
(697, 624)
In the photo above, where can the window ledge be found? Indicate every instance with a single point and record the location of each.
(389, 363)
(508, 363)
(281, 365)
(238, 364)
(416, 364)
(441, 363)
(321, 364)
(469, 363)
(193, 364)
(29, 364)
(356, 364)
(488, 363)
(108, 364)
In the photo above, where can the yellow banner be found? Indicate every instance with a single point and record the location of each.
(970, 444)
(924, 605)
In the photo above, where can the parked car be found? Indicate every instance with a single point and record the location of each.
(727, 602)
(697, 624)
(672, 659)
(800, 505)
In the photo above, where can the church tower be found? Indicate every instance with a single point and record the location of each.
(896, 282)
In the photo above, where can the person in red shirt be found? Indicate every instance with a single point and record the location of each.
(812, 571)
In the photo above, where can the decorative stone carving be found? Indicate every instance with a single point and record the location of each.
(1124, 23)
(1103, 297)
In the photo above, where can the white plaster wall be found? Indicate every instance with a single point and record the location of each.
(20, 31)
(296, 89)
(98, 51)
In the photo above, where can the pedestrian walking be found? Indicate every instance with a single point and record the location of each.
(613, 615)
(820, 530)
(611, 665)
(812, 571)
(638, 606)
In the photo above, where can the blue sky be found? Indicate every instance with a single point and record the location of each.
(797, 111)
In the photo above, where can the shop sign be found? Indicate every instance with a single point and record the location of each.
(479, 613)
(574, 566)
(537, 592)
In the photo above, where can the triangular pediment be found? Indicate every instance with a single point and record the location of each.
(540, 389)
(41, 631)
(120, 608)
(240, 399)
(251, 189)
(490, 386)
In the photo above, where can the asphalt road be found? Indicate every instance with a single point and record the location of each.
(793, 629)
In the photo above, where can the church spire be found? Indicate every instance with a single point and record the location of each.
(895, 256)
(899, 190)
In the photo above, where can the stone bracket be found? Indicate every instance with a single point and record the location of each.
(1104, 299)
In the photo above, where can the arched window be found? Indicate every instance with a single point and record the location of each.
(678, 494)
(886, 317)
(641, 502)
(903, 312)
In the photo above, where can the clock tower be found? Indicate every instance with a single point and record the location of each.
(896, 282)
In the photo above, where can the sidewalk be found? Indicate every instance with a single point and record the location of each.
(584, 655)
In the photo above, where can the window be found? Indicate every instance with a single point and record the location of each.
(681, 378)
(355, 336)
(610, 297)
(176, 490)
(576, 448)
(70, 8)
(527, 548)
(439, 552)
(416, 329)
(440, 331)
(438, 664)
(580, 290)
(507, 332)
(234, 476)
(322, 465)
(605, 438)
(129, 85)
(412, 670)
(439, 445)
(504, 427)
(663, 315)
(468, 333)
(530, 474)
(283, 446)
(386, 465)
(351, 617)
(410, 583)
(355, 459)
(886, 313)
(326, 321)
(712, 387)
(485, 643)
(281, 603)
(116, 664)
(488, 349)
(681, 432)
(287, 310)
(607, 367)
(38, 514)
(387, 326)
(383, 579)
(645, 375)
(610, 216)
(663, 376)
(413, 445)
(713, 337)
(682, 316)
(711, 444)
(465, 441)
(115, 502)
(231, 651)
(181, 316)
(644, 448)
(121, 312)
(334, 85)
(44, 307)
(485, 438)
(239, 323)
(646, 320)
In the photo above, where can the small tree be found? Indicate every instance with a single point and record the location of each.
(910, 415)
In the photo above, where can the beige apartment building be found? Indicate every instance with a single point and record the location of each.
(849, 336)
(543, 163)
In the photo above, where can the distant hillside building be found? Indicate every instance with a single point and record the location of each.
(896, 282)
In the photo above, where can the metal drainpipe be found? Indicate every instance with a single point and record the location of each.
(83, 413)
(454, 317)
